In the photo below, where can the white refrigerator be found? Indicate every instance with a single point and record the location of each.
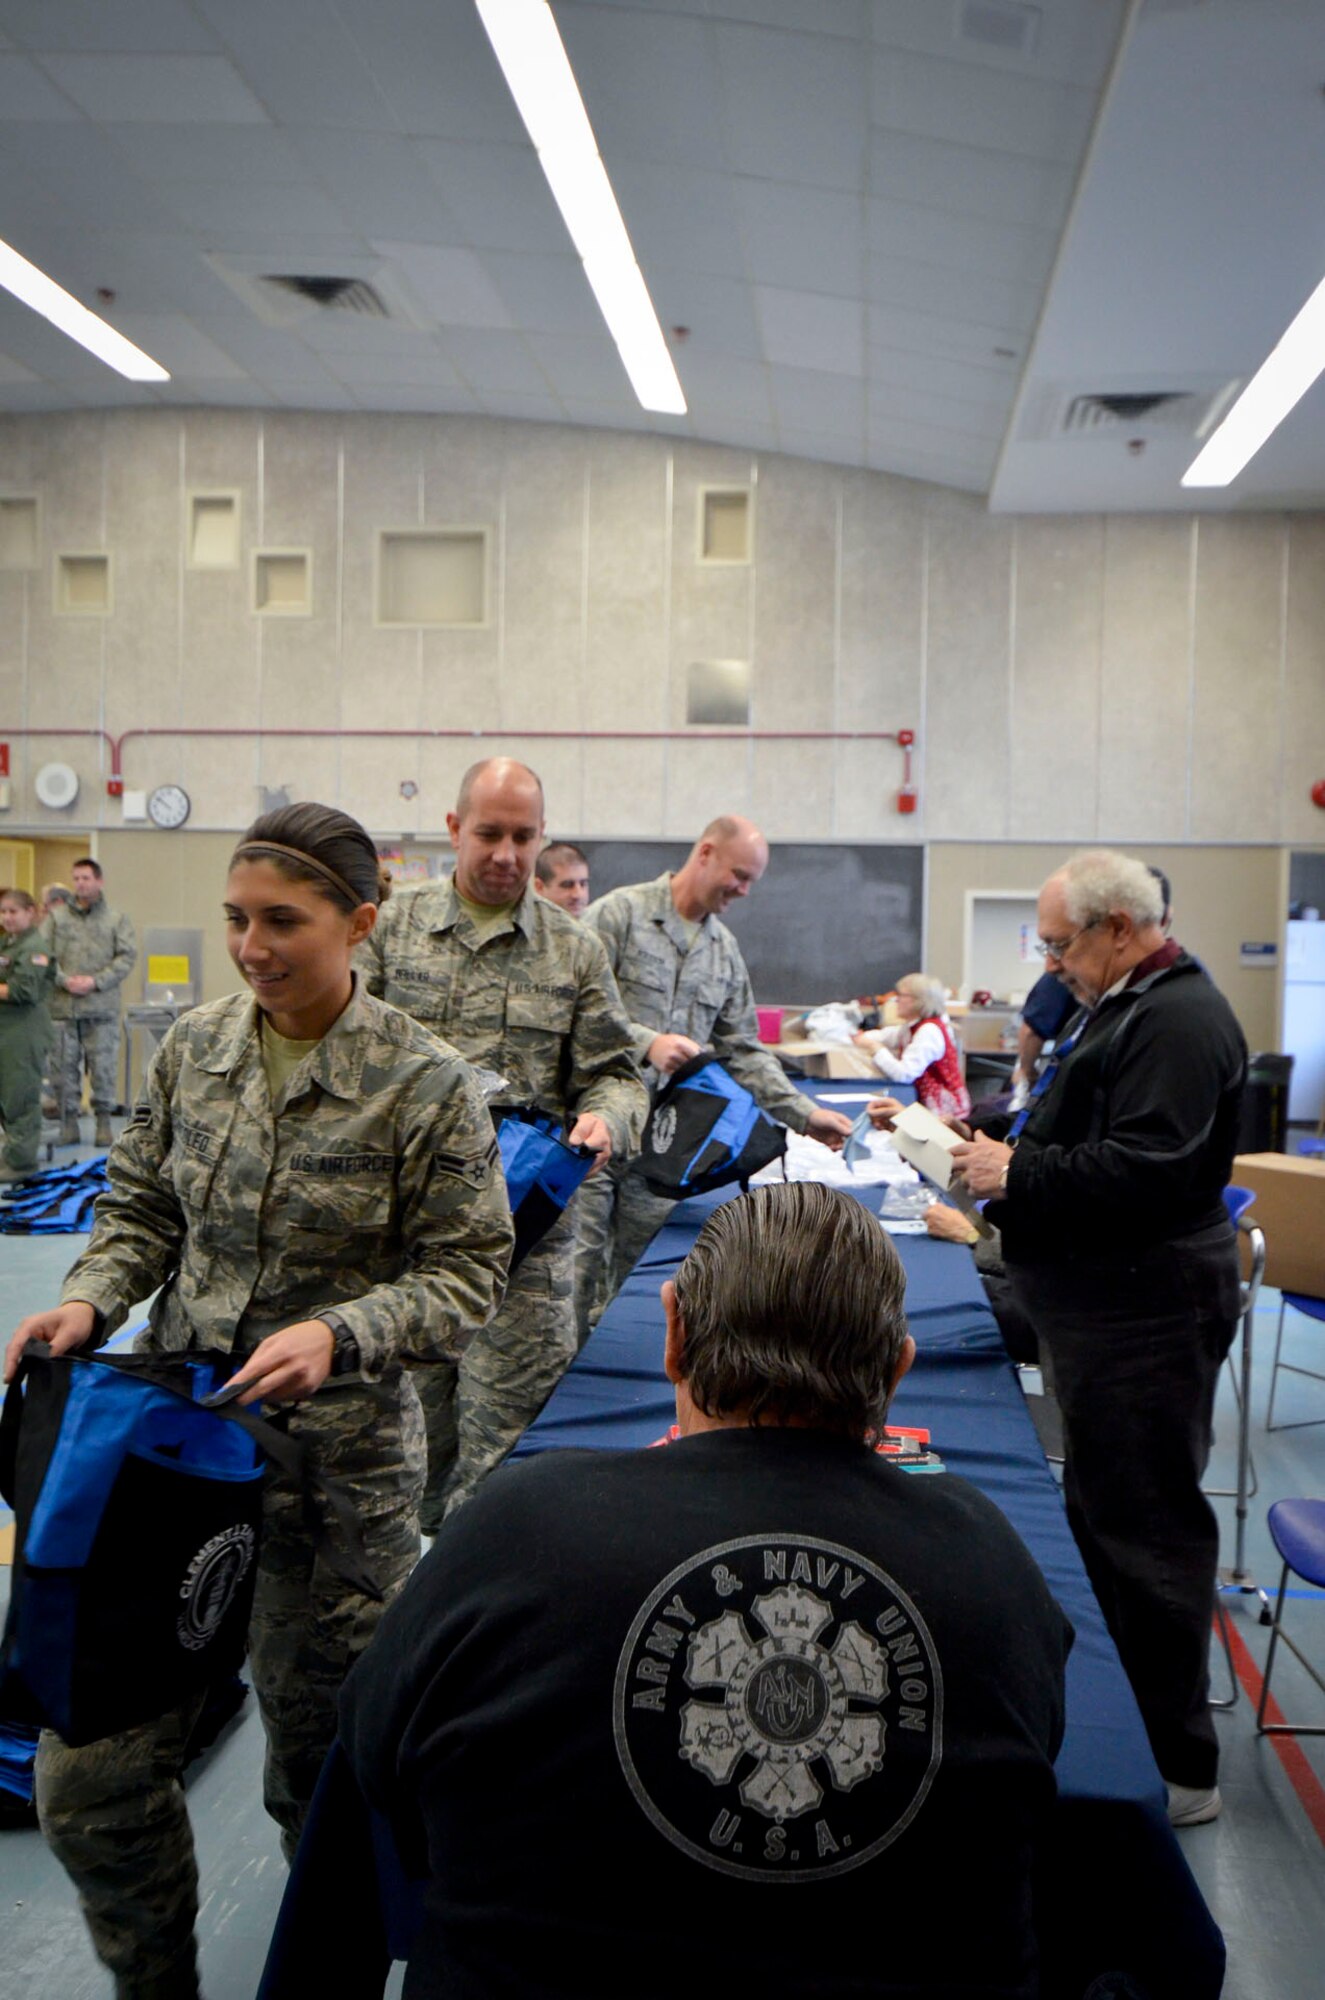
(1304, 1019)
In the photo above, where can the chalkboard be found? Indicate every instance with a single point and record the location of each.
(825, 923)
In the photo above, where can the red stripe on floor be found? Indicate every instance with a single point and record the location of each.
(1297, 1767)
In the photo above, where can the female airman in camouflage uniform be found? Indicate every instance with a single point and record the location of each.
(312, 1182)
(27, 976)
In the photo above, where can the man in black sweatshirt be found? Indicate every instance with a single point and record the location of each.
(628, 1693)
(1109, 1197)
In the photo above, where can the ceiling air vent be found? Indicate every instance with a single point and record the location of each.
(999, 24)
(1055, 412)
(331, 294)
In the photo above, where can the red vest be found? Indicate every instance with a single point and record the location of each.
(940, 1088)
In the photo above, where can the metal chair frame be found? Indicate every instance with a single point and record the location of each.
(1264, 1728)
(1238, 1578)
(1290, 1368)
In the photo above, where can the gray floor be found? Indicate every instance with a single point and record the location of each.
(1261, 1867)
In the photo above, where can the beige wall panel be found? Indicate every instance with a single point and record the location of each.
(712, 619)
(965, 745)
(1236, 752)
(220, 775)
(23, 447)
(67, 665)
(705, 777)
(73, 484)
(219, 674)
(371, 776)
(1056, 677)
(381, 682)
(462, 463)
(791, 792)
(1304, 686)
(868, 779)
(795, 646)
(15, 592)
(1145, 677)
(461, 682)
(559, 765)
(142, 641)
(542, 598)
(221, 450)
(880, 644)
(173, 879)
(624, 785)
(300, 469)
(381, 491)
(300, 674)
(626, 641)
(307, 767)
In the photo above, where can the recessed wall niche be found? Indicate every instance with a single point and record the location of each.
(18, 531)
(283, 583)
(82, 586)
(718, 693)
(725, 522)
(432, 576)
(211, 531)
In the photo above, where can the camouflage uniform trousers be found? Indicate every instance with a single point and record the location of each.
(114, 1812)
(616, 1220)
(94, 1039)
(21, 1058)
(477, 1410)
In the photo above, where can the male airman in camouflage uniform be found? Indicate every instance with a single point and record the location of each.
(685, 987)
(95, 950)
(367, 1196)
(520, 988)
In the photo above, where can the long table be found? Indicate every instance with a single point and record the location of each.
(1116, 1894)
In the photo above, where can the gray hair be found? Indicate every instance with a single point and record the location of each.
(927, 993)
(1101, 880)
(792, 1304)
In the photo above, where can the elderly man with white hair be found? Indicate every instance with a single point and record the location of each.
(1109, 1195)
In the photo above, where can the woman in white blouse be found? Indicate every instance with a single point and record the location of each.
(921, 1049)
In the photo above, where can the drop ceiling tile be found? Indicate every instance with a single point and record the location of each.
(420, 398)
(1074, 39)
(27, 95)
(945, 441)
(682, 217)
(14, 371)
(178, 345)
(810, 330)
(946, 291)
(969, 180)
(77, 166)
(846, 18)
(902, 368)
(451, 285)
(157, 90)
(649, 85)
(30, 202)
(487, 359)
(310, 393)
(252, 154)
(981, 107)
(244, 394)
(544, 408)
(796, 107)
(379, 184)
(967, 243)
(720, 385)
(233, 210)
(806, 239)
(546, 294)
(413, 364)
(156, 26)
(937, 333)
(718, 311)
(434, 67)
(934, 468)
(808, 400)
(889, 402)
(497, 193)
(829, 447)
(308, 69)
(38, 396)
(589, 369)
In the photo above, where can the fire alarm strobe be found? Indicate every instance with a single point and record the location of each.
(1318, 794)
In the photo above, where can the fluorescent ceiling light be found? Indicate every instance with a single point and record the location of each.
(534, 62)
(1282, 380)
(35, 289)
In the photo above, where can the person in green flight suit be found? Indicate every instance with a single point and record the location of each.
(27, 976)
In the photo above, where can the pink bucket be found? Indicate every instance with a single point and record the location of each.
(770, 1023)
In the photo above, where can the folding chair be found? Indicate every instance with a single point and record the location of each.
(1237, 1200)
(1313, 1308)
(1297, 1529)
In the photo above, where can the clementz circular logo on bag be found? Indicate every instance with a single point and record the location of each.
(210, 1583)
(664, 1128)
(778, 1709)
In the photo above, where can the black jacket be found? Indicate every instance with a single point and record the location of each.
(1133, 1142)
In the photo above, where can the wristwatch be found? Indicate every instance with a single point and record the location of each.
(345, 1357)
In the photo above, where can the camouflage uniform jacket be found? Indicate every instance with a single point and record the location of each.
(97, 940)
(671, 986)
(27, 971)
(374, 1192)
(535, 1002)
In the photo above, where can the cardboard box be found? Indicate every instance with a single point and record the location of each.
(836, 1059)
(1290, 1211)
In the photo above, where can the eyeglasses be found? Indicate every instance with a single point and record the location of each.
(1059, 947)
